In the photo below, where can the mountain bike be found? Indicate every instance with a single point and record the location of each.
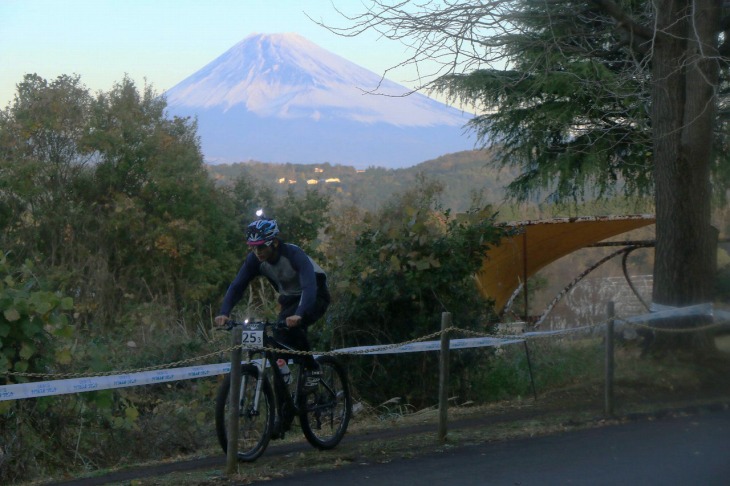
(268, 404)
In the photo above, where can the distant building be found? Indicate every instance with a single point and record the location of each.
(312, 181)
(332, 179)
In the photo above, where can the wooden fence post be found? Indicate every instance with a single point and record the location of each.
(233, 396)
(444, 376)
(608, 395)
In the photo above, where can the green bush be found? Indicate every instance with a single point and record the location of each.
(35, 334)
(35, 338)
(411, 262)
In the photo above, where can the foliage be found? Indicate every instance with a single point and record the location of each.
(300, 215)
(572, 110)
(73, 434)
(563, 90)
(175, 243)
(35, 337)
(411, 263)
(41, 155)
(587, 99)
(462, 173)
(108, 201)
(35, 334)
(161, 421)
(115, 197)
(572, 120)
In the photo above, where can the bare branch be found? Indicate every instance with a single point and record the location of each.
(637, 31)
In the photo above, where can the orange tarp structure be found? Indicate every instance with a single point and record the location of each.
(542, 242)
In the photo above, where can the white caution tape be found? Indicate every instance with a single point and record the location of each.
(94, 383)
(663, 312)
(431, 346)
(557, 331)
(79, 385)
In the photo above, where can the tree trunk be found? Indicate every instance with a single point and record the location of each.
(685, 78)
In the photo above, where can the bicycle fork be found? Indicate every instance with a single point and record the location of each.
(254, 405)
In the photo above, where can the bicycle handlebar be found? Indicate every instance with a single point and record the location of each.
(230, 324)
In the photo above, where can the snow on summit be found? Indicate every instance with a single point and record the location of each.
(287, 76)
(269, 86)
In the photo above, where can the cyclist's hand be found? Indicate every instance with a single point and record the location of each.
(293, 321)
(220, 321)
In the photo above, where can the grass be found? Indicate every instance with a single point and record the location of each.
(570, 399)
(496, 404)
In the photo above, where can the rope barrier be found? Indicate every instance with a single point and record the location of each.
(244, 347)
(385, 347)
(110, 373)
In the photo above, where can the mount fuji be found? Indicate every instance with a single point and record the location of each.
(281, 98)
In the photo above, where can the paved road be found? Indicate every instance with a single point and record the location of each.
(683, 451)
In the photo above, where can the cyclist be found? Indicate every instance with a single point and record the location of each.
(300, 282)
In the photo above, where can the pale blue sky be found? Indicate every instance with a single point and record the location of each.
(164, 41)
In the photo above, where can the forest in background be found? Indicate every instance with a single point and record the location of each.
(465, 176)
(465, 179)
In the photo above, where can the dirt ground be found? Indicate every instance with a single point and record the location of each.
(371, 439)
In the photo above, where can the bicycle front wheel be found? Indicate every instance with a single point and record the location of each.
(255, 417)
(325, 412)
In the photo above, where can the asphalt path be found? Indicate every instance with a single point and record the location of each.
(684, 451)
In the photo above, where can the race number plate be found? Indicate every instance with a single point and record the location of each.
(252, 334)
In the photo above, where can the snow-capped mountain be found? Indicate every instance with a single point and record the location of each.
(281, 98)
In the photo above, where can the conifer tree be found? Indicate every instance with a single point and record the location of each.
(590, 98)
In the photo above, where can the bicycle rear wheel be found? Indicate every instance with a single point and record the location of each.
(325, 412)
(255, 421)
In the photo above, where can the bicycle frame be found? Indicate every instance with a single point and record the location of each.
(284, 400)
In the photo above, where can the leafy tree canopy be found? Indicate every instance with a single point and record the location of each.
(590, 98)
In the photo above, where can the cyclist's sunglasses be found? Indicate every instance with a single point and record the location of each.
(261, 246)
